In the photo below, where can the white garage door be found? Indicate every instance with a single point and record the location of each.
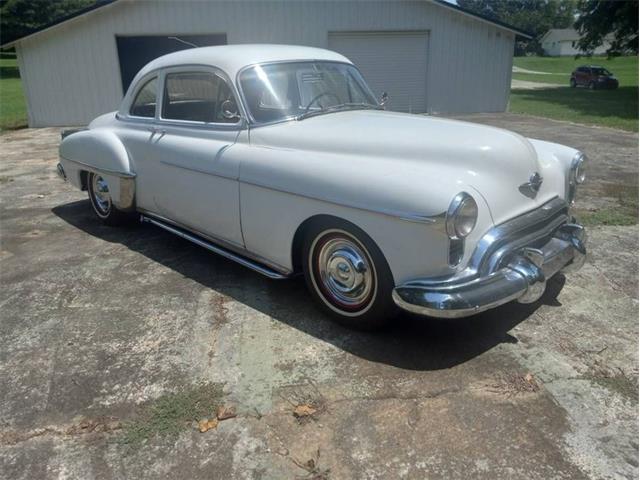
(395, 62)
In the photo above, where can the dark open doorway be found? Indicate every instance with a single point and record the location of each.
(135, 52)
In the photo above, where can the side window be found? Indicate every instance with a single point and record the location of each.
(144, 104)
(196, 97)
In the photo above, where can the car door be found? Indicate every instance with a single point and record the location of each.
(183, 171)
(583, 76)
(578, 76)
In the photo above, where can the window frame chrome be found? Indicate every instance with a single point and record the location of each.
(144, 81)
(161, 72)
(252, 122)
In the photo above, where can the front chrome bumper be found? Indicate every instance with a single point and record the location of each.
(518, 274)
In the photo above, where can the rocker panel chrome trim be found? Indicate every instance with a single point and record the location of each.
(224, 251)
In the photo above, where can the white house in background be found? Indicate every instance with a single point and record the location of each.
(558, 42)
(429, 55)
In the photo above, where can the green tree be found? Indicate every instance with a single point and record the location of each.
(20, 17)
(599, 19)
(533, 16)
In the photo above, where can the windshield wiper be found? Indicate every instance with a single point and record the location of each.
(338, 107)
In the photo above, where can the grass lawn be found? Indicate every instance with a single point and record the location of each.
(560, 68)
(608, 108)
(13, 109)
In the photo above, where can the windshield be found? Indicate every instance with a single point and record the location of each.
(281, 91)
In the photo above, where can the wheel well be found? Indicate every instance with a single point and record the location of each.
(298, 237)
(84, 179)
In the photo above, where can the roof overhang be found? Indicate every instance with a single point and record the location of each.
(477, 16)
(103, 3)
(59, 21)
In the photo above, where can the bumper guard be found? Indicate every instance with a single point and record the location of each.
(523, 278)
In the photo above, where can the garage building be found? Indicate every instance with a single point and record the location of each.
(429, 55)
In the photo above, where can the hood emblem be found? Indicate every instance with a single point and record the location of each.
(530, 188)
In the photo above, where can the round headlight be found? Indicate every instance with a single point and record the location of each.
(461, 216)
(579, 174)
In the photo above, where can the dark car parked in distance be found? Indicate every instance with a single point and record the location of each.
(593, 76)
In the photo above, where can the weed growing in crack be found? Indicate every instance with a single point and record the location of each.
(170, 414)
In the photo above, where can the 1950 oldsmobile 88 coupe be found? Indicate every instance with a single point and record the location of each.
(282, 159)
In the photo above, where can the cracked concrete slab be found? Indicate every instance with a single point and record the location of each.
(96, 322)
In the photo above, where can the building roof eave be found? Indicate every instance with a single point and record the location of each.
(498, 23)
(79, 13)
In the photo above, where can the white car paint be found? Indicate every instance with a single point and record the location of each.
(391, 174)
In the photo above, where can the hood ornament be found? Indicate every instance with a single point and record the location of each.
(530, 189)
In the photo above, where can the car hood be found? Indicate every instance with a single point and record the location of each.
(494, 162)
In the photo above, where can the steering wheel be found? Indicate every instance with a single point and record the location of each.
(319, 96)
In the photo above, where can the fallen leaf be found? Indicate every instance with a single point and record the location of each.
(206, 424)
(304, 410)
(224, 413)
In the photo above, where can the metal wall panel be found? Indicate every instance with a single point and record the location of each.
(72, 71)
(395, 62)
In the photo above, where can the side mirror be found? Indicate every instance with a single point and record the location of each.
(230, 110)
(384, 99)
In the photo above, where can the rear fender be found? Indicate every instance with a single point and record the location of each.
(99, 151)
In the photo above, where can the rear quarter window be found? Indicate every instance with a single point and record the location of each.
(144, 104)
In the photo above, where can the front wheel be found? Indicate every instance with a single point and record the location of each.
(100, 198)
(592, 86)
(347, 274)
(572, 83)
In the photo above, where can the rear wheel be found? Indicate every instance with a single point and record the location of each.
(100, 198)
(347, 274)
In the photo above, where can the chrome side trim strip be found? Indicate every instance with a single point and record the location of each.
(107, 171)
(408, 216)
(197, 170)
(224, 252)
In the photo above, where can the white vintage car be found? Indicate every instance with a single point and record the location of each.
(281, 158)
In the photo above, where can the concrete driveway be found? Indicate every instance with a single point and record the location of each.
(106, 335)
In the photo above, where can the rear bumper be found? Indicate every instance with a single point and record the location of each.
(522, 276)
(61, 173)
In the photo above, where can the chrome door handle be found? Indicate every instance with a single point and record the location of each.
(155, 130)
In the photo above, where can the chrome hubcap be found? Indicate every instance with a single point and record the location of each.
(345, 272)
(101, 194)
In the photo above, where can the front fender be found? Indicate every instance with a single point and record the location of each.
(399, 204)
(99, 151)
(555, 160)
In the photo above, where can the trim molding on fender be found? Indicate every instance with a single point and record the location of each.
(413, 217)
(127, 183)
(407, 216)
(91, 168)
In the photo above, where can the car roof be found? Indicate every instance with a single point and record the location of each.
(232, 58)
